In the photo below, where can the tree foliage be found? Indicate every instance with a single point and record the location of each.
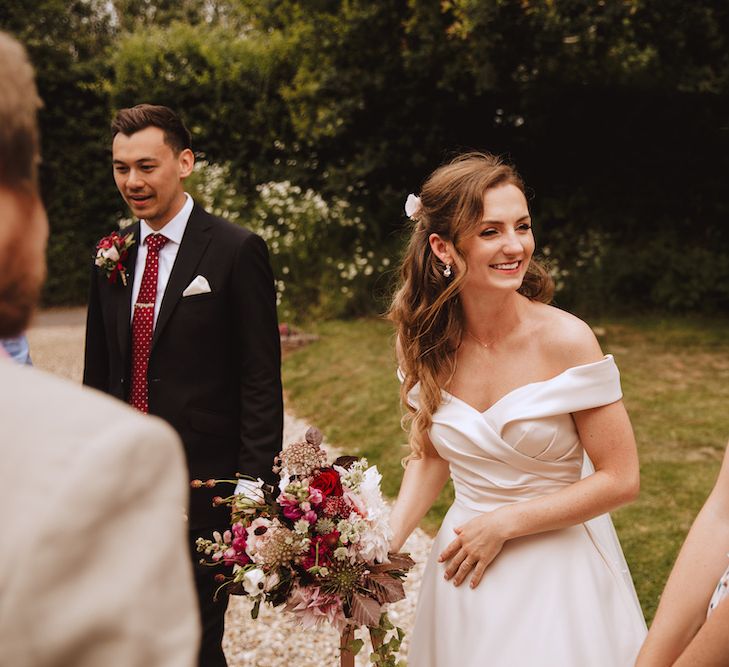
(65, 41)
(614, 111)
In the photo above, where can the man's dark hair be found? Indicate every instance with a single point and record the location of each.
(134, 119)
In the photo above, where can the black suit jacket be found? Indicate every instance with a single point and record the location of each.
(214, 367)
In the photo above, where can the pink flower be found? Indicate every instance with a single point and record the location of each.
(292, 512)
(316, 497)
(310, 516)
(238, 559)
(313, 607)
(290, 506)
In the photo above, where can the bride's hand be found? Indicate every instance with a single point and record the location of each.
(479, 541)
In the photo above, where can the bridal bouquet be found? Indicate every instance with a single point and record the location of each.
(317, 544)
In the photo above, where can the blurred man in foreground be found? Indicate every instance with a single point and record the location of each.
(94, 564)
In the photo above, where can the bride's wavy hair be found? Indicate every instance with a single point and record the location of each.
(426, 308)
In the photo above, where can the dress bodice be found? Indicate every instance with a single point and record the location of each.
(526, 444)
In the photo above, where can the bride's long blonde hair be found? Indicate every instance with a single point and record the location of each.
(426, 308)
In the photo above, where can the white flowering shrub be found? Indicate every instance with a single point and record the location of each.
(323, 265)
(323, 261)
(211, 186)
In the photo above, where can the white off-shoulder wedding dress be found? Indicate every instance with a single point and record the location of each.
(563, 598)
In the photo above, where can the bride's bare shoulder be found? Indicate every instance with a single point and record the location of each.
(565, 338)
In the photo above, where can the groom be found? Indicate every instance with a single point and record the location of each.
(189, 332)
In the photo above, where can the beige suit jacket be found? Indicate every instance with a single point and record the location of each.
(94, 561)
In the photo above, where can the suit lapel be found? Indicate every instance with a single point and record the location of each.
(194, 242)
(124, 299)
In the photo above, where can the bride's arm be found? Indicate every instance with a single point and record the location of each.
(422, 482)
(679, 634)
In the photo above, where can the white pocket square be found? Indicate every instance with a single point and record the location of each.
(198, 286)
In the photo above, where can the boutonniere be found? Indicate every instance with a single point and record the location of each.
(111, 253)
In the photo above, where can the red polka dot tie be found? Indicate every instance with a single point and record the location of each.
(143, 323)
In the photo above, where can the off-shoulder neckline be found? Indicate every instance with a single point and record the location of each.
(606, 359)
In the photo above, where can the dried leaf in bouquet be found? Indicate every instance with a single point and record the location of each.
(396, 561)
(385, 587)
(365, 610)
(345, 461)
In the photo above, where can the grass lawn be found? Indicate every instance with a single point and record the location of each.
(675, 376)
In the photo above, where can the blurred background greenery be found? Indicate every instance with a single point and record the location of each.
(316, 118)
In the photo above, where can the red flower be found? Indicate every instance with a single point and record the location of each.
(328, 482)
(111, 253)
(320, 550)
(330, 540)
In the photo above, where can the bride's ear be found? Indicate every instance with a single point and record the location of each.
(442, 248)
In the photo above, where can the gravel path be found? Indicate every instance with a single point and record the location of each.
(56, 342)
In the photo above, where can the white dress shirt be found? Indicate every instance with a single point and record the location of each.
(173, 230)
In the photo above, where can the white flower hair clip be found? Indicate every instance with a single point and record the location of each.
(412, 206)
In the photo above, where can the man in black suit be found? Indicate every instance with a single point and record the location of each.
(185, 328)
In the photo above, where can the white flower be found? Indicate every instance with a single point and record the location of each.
(352, 477)
(324, 526)
(285, 480)
(374, 542)
(350, 530)
(251, 490)
(254, 582)
(249, 487)
(256, 532)
(412, 206)
(302, 526)
(340, 553)
(369, 490)
(111, 253)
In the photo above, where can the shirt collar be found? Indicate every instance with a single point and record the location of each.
(175, 228)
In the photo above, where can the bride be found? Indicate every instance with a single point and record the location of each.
(514, 400)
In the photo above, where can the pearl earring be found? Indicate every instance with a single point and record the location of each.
(447, 272)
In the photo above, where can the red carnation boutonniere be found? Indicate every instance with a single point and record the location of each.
(111, 253)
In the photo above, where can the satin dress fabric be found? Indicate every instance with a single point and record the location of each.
(720, 593)
(563, 598)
